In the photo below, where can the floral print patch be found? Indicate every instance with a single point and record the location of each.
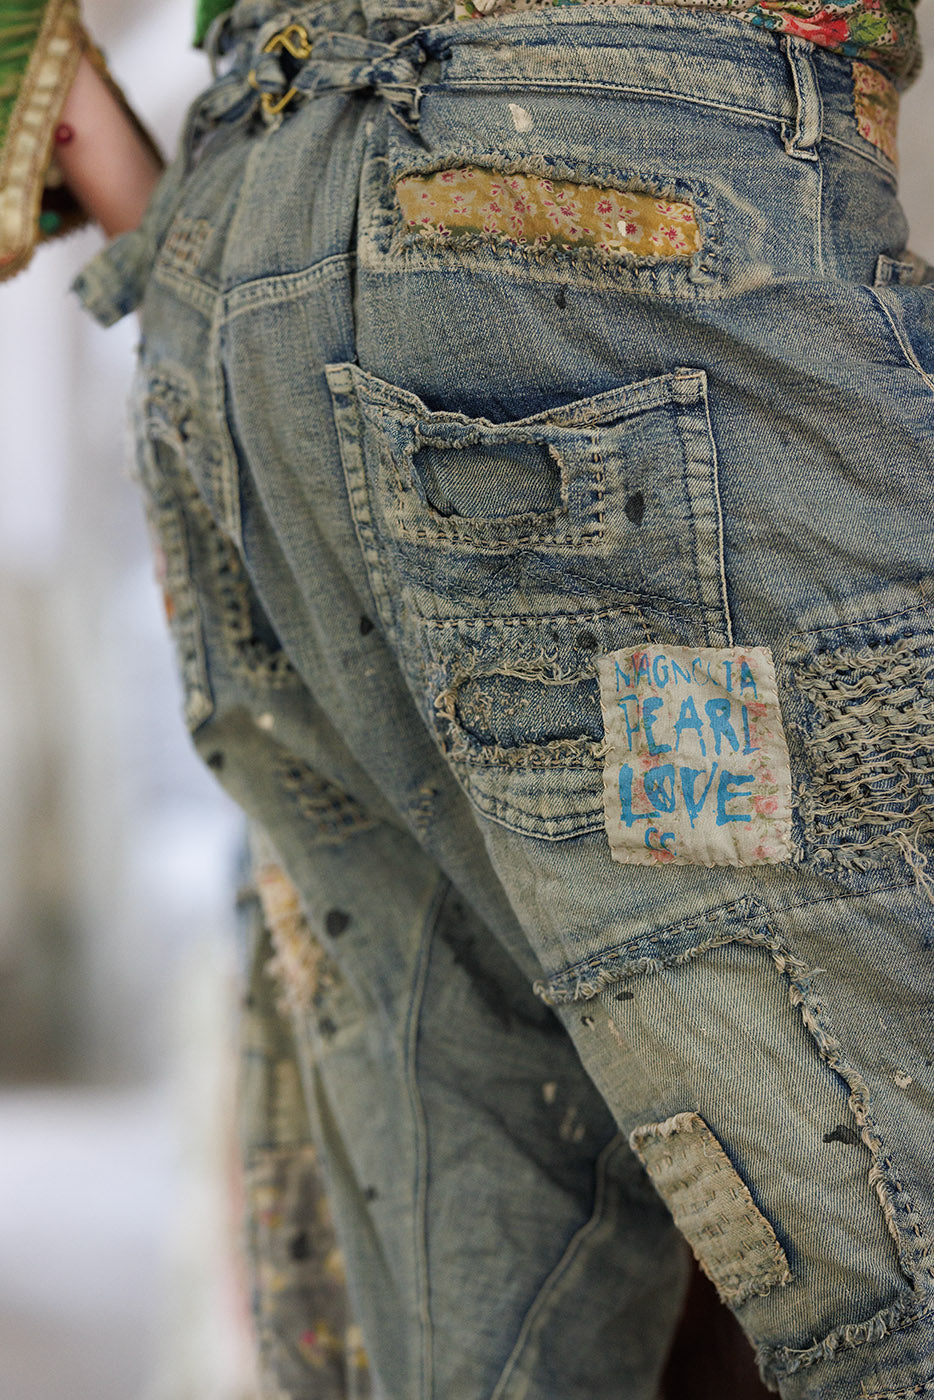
(470, 201)
(882, 31)
(875, 102)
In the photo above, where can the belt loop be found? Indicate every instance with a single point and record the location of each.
(801, 138)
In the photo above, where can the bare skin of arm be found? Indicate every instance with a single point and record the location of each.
(105, 162)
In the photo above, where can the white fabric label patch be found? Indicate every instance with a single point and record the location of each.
(696, 768)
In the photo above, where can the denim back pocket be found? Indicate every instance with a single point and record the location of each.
(504, 558)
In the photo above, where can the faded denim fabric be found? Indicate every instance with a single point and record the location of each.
(410, 482)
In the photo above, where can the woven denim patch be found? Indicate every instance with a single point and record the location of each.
(697, 769)
(468, 201)
(711, 1205)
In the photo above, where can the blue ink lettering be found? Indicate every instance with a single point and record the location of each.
(630, 728)
(729, 676)
(659, 783)
(679, 671)
(724, 795)
(689, 719)
(660, 672)
(649, 715)
(621, 676)
(642, 667)
(698, 661)
(718, 712)
(689, 777)
(746, 679)
(663, 838)
(626, 814)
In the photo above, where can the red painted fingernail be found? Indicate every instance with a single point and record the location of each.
(63, 134)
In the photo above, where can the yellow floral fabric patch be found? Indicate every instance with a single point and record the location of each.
(472, 201)
(875, 101)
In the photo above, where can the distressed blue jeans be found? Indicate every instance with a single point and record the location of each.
(536, 420)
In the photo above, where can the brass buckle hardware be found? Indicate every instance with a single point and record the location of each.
(294, 39)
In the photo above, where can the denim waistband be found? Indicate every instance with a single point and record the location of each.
(709, 59)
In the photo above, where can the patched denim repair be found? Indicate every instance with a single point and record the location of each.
(496, 378)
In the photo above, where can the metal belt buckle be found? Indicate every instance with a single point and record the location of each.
(294, 39)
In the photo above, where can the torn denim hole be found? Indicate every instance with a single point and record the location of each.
(711, 1205)
(869, 745)
(530, 210)
(300, 965)
(504, 711)
(480, 480)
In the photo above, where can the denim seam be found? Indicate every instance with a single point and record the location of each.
(548, 1295)
(522, 82)
(901, 337)
(420, 1139)
(197, 293)
(283, 287)
(884, 165)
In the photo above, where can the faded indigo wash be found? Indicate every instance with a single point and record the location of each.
(410, 481)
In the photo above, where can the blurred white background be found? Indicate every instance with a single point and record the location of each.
(118, 854)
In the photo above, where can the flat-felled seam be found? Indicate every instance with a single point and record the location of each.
(549, 1294)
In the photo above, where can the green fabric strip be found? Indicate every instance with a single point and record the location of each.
(20, 23)
(205, 13)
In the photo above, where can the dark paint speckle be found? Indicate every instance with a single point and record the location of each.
(335, 921)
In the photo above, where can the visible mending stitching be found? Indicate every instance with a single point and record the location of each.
(168, 417)
(712, 1206)
(300, 965)
(870, 751)
(333, 813)
(905, 1312)
(699, 267)
(914, 1244)
(185, 242)
(471, 200)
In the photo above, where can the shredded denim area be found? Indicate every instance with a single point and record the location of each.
(870, 751)
(469, 200)
(300, 965)
(734, 1243)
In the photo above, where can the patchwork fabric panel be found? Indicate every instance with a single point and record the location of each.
(875, 102)
(470, 201)
(734, 1243)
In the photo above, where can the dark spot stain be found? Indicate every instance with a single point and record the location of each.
(625, 996)
(635, 507)
(366, 626)
(327, 1028)
(335, 921)
(249, 1002)
(588, 1021)
(371, 1194)
(554, 636)
(586, 641)
(299, 1248)
(842, 1133)
(561, 300)
(215, 760)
